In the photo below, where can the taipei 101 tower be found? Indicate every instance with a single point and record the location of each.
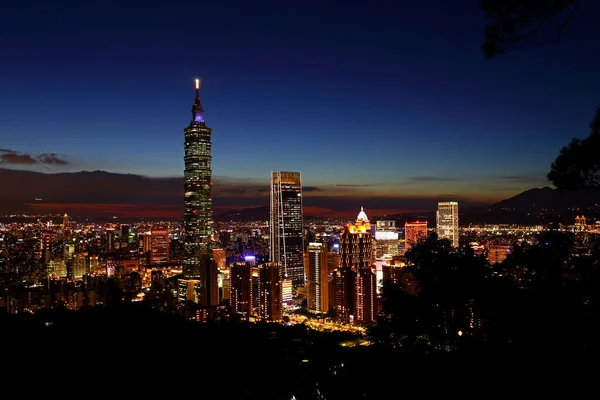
(199, 283)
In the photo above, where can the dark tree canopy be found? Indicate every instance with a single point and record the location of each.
(578, 164)
(513, 23)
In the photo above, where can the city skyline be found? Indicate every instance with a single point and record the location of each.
(422, 133)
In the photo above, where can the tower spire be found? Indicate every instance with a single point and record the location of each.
(197, 109)
(197, 101)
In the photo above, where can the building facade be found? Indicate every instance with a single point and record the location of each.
(447, 221)
(286, 225)
(413, 232)
(160, 241)
(317, 288)
(241, 288)
(270, 303)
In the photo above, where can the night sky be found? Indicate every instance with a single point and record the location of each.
(388, 106)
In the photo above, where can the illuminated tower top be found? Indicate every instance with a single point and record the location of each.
(197, 109)
(362, 217)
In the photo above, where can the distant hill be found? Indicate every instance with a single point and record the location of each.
(535, 206)
(530, 207)
(548, 199)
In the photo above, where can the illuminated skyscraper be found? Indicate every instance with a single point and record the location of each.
(270, 303)
(287, 233)
(447, 221)
(241, 288)
(317, 283)
(199, 268)
(160, 246)
(413, 232)
(356, 246)
(355, 281)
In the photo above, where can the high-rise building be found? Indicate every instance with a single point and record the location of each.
(160, 246)
(356, 247)
(94, 264)
(355, 282)
(286, 225)
(125, 230)
(199, 267)
(65, 223)
(270, 304)
(413, 232)
(80, 266)
(110, 239)
(447, 221)
(316, 269)
(241, 288)
(386, 239)
(145, 242)
(366, 305)
(396, 272)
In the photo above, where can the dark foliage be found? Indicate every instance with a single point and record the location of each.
(539, 308)
(578, 164)
(513, 23)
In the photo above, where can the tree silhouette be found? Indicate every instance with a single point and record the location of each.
(451, 284)
(578, 164)
(513, 23)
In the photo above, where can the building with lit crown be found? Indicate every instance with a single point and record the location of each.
(355, 281)
(286, 225)
(200, 273)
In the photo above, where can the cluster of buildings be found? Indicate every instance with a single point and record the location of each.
(203, 268)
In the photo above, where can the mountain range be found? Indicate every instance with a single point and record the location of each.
(529, 207)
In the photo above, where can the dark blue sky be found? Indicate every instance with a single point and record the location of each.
(397, 100)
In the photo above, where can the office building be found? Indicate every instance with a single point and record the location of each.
(286, 225)
(160, 246)
(270, 303)
(414, 232)
(316, 262)
(447, 221)
(241, 288)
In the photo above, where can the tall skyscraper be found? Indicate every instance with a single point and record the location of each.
(317, 283)
(355, 281)
(286, 224)
(199, 268)
(447, 221)
(356, 246)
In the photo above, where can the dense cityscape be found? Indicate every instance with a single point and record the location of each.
(330, 276)
(323, 252)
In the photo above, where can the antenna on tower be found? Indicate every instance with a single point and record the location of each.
(197, 90)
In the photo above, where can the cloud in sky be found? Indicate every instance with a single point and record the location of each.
(428, 179)
(9, 156)
(104, 193)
